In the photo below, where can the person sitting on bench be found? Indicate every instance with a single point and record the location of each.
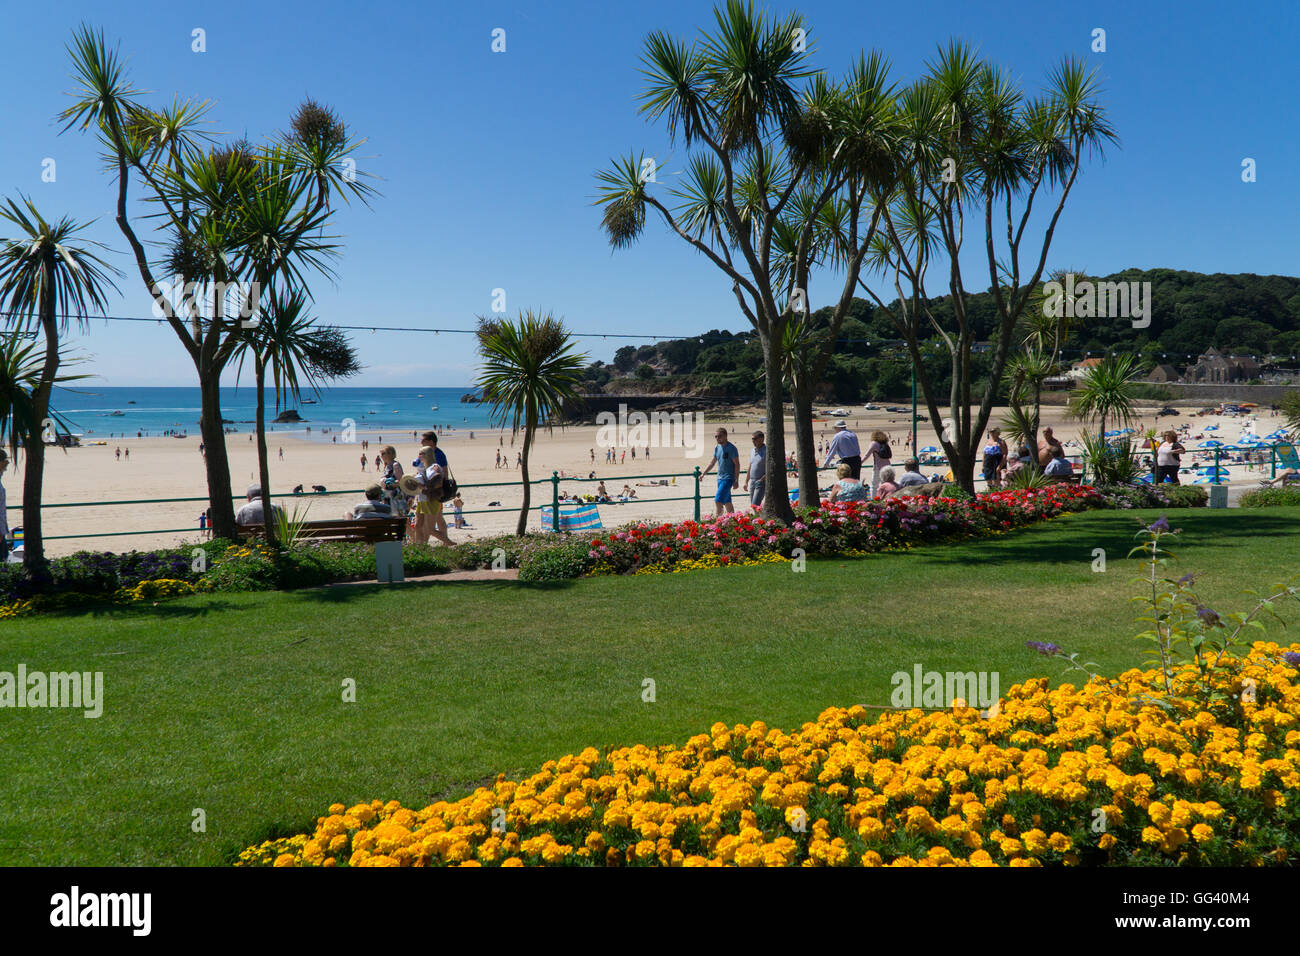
(1059, 466)
(251, 513)
(373, 507)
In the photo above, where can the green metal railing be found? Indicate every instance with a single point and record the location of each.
(554, 480)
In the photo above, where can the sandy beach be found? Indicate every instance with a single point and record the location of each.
(162, 468)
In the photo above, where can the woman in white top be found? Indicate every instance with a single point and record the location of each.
(1167, 460)
(880, 454)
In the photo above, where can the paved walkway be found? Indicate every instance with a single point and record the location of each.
(509, 574)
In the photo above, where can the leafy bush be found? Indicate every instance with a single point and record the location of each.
(561, 561)
(1153, 496)
(1270, 497)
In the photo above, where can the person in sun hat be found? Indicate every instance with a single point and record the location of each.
(844, 446)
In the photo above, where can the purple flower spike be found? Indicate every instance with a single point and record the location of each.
(1292, 658)
(1160, 524)
(1045, 648)
(1208, 617)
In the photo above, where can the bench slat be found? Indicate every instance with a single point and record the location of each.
(369, 530)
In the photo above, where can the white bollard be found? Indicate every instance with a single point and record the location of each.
(388, 562)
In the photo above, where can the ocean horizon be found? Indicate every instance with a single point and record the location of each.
(150, 411)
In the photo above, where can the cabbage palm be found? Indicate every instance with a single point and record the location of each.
(771, 153)
(284, 343)
(48, 272)
(232, 213)
(1107, 391)
(529, 371)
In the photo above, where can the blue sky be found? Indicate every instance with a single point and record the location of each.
(486, 160)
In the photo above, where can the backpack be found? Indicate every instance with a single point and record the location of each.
(884, 452)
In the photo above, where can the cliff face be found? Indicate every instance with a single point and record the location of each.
(289, 415)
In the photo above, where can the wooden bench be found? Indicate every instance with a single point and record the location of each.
(368, 530)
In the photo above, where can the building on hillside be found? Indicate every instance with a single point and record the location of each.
(1215, 368)
(1164, 373)
(1080, 369)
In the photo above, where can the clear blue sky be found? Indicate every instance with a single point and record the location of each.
(486, 160)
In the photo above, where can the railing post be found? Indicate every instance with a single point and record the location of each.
(1216, 465)
(555, 501)
(1272, 465)
(697, 492)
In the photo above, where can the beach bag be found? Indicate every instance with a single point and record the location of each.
(884, 452)
(449, 486)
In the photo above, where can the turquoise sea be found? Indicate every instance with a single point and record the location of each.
(101, 413)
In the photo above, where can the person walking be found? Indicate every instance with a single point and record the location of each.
(363, 461)
(282, 454)
(756, 476)
(844, 446)
(727, 460)
(1168, 458)
(995, 458)
(881, 457)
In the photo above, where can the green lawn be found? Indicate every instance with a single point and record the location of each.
(233, 704)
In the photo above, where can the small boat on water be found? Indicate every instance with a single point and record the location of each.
(117, 414)
(309, 401)
(434, 407)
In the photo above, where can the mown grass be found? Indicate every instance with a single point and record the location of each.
(233, 704)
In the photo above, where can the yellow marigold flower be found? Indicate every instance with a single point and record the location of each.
(1202, 833)
(285, 859)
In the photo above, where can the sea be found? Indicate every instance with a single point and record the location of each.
(117, 413)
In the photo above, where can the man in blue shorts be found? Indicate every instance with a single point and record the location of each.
(727, 458)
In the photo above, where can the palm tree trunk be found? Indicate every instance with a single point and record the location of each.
(216, 462)
(34, 471)
(805, 453)
(776, 503)
(263, 466)
(530, 426)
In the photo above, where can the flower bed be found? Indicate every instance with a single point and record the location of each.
(1086, 775)
(833, 528)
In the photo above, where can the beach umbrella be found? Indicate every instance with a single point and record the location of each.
(1204, 480)
(1277, 436)
(928, 449)
(1211, 470)
(1144, 479)
(1212, 443)
(1112, 434)
(1211, 428)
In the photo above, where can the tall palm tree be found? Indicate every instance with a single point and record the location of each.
(46, 274)
(529, 371)
(285, 343)
(1107, 391)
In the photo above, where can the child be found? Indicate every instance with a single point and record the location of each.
(457, 504)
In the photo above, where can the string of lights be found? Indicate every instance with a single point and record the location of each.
(643, 336)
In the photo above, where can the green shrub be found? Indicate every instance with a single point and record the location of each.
(559, 562)
(1270, 497)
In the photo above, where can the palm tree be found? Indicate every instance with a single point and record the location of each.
(46, 274)
(529, 371)
(1106, 391)
(284, 343)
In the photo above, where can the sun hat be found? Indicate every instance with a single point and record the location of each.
(841, 424)
(410, 485)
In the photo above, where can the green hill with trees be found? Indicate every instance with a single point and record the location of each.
(1242, 314)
